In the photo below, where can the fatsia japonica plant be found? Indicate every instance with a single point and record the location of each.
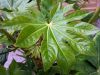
(49, 32)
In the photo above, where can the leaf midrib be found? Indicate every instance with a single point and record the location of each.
(57, 43)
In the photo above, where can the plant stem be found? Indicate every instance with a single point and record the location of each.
(38, 4)
(95, 15)
(8, 35)
(61, 4)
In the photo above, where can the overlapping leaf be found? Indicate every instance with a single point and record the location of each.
(76, 15)
(14, 5)
(97, 41)
(13, 70)
(89, 65)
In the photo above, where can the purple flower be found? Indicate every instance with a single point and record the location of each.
(17, 56)
(98, 4)
(98, 23)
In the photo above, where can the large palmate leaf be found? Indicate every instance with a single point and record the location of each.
(60, 39)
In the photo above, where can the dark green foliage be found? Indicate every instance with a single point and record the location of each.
(55, 41)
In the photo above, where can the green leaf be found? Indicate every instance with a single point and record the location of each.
(11, 8)
(83, 27)
(68, 8)
(15, 5)
(51, 43)
(79, 33)
(14, 70)
(60, 40)
(97, 42)
(3, 57)
(13, 67)
(29, 35)
(83, 66)
(5, 9)
(49, 50)
(66, 58)
(77, 15)
(53, 11)
(5, 40)
(71, 1)
(89, 64)
(16, 23)
(48, 4)
(2, 71)
(23, 19)
(22, 72)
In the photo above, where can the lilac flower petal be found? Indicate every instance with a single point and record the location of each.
(9, 60)
(98, 23)
(98, 4)
(17, 56)
(14, 56)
